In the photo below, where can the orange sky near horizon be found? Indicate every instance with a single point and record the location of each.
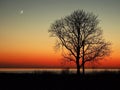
(49, 61)
(24, 24)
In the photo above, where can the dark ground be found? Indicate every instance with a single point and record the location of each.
(52, 81)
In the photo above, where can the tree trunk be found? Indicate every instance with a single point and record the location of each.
(83, 64)
(78, 66)
(83, 69)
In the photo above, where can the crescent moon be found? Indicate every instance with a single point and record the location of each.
(21, 12)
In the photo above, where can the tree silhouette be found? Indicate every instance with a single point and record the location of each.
(80, 37)
(94, 47)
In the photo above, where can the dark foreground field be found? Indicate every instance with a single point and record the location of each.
(52, 81)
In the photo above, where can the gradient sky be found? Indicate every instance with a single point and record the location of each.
(24, 24)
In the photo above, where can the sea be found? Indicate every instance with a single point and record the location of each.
(50, 70)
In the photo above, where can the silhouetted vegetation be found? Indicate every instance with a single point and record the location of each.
(52, 81)
(80, 38)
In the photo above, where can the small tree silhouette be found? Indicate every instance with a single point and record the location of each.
(79, 35)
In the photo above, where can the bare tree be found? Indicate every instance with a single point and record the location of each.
(80, 36)
(94, 47)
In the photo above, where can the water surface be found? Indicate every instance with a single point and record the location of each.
(40, 70)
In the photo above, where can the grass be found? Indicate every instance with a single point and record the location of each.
(65, 81)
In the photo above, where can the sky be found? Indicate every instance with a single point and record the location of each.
(24, 24)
